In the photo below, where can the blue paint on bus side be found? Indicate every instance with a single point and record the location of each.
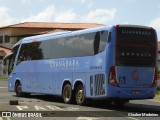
(48, 76)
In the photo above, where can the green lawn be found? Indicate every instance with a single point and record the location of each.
(158, 94)
(3, 78)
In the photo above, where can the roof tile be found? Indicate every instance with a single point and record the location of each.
(53, 25)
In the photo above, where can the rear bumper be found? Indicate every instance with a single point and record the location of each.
(127, 93)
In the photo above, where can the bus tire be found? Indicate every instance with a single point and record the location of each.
(67, 94)
(80, 98)
(18, 90)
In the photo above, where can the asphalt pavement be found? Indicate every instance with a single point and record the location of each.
(52, 107)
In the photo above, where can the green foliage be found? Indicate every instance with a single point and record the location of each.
(159, 71)
(3, 78)
(158, 93)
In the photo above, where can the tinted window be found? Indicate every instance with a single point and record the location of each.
(12, 59)
(136, 46)
(104, 38)
(73, 46)
(30, 51)
(23, 53)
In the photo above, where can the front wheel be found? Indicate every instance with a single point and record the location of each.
(18, 90)
(80, 98)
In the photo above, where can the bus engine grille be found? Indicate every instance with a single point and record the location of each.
(99, 84)
(140, 61)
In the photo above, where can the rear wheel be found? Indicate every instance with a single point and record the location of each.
(67, 94)
(80, 98)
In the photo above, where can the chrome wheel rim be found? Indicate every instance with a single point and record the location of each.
(67, 94)
(80, 96)
(19, 89)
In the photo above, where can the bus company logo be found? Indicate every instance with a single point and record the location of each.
(136, 32)
(66, 63)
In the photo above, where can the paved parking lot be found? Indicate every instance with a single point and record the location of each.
(54, 106)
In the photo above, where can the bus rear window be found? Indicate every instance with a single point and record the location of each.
(135, 46)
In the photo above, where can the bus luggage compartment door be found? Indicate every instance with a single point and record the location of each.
(135, 76)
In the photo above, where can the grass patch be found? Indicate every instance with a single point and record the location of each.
(158, 93)
(3, 78)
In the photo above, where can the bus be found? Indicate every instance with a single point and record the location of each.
(117, 63)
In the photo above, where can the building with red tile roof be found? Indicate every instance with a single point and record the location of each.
(9, 35)
(68, 26)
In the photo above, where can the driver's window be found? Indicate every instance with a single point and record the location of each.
(22, 53)
(12, 59)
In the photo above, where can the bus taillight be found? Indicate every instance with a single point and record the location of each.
(112, 76)
(154, 83)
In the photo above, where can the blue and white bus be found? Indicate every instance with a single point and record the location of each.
(116, 63)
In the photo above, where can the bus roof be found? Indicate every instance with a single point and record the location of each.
(69, 33)
(37, 37)
(57, 34)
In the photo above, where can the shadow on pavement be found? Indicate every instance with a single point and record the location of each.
(129, 107)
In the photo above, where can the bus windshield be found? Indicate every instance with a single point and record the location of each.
(136, 46)
(10, 59)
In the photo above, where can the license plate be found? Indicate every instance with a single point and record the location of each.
(135, 92)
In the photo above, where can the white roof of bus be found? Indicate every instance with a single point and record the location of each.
(55, 35)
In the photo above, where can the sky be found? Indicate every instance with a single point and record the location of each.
(108, 12)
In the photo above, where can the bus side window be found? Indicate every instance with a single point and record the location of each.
(35, 52)
(103, 40)
(23, 53)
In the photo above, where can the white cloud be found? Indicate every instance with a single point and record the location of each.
(66, 16)
(29, 1)
(90, 5)
(130, 1)
(50, 14)
(100, 16)
(25, 1)
(155, 23)
(6, 19)
(97, 16)
(83, 1)
(44, 16)
(125, 23)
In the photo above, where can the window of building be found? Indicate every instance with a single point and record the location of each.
(1, 39)
(7, 39)
(13, 40)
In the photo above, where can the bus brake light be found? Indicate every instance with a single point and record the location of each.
(112, 77)
(154, 83)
